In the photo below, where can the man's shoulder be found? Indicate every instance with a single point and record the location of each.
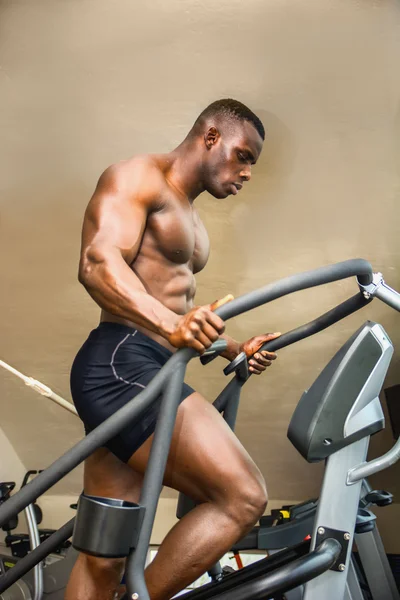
(141, 173)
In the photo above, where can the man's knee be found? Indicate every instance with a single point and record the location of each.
(104, 569)
(254, 501)
(248, 501)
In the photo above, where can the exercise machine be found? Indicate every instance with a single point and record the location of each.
(291, 524)
(48, 579)
(332, 422)
(375, 579)
(320, 422)
(21, 543)
(31, 586)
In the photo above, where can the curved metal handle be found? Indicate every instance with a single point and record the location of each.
(357, 267)
(303, 331)
(213, 351)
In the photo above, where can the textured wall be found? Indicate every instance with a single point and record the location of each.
(84, 84)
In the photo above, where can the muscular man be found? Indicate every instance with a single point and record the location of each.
(142, 243)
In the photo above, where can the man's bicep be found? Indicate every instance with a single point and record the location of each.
(113, 221)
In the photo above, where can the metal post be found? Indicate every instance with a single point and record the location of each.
(376, 566)
(388, 296)
(232, 406)
(353, 589)
(152, 484)
(34, 543)
(337, 509)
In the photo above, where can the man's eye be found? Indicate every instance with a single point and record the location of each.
(241, 157)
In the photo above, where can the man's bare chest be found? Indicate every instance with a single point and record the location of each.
(180, 235)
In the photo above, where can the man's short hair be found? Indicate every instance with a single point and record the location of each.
(232, 109)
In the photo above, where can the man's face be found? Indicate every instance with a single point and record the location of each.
(230, 158)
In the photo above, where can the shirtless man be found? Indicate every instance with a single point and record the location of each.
(142, 243)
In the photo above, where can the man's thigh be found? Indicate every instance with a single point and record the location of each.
(205, 458)
(106, 475)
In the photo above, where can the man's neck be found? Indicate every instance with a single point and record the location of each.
(185, 172)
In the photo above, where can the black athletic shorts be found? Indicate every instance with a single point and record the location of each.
(113, 366)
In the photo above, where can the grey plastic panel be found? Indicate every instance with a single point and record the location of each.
(365, 410)
(340, 407)
(106, 527)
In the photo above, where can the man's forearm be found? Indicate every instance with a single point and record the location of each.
(233, 347)
(116, 289)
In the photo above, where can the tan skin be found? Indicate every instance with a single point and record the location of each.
(142, 243)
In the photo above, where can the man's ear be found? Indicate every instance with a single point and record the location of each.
(211, 137)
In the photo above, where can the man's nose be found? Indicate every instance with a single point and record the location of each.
(245, 174)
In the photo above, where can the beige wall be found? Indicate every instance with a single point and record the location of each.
(11, 467)
(84, 84)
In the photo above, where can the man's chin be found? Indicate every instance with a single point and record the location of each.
(219, 194)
